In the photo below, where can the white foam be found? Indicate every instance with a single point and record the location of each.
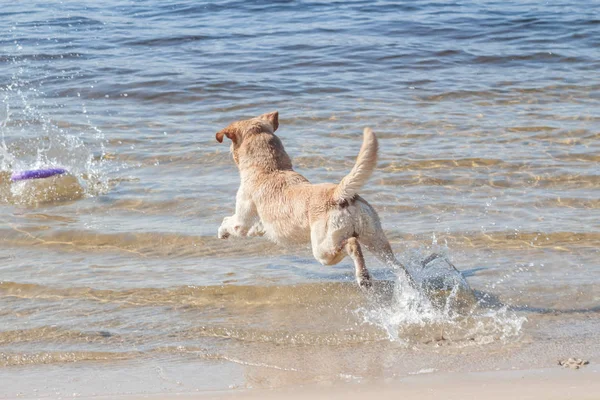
(415, 313)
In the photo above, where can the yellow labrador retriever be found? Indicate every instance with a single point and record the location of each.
(275, 201)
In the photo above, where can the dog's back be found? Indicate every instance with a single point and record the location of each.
(286, 202)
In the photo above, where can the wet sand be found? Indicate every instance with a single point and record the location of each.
(523, 370)
(532, 384)
(546, 384)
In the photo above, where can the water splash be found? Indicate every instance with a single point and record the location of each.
(443, 309)
(31, 139)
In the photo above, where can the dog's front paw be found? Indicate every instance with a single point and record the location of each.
(223, 232)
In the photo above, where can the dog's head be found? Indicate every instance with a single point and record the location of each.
(240, 131)
(255, 145)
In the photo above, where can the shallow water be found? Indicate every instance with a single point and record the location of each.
(487, 114)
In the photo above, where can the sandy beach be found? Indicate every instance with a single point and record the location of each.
(523, 385)
(545, 384)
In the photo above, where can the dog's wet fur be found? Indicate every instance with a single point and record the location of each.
(275, 201)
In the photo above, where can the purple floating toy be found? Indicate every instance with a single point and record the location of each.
(37, 174)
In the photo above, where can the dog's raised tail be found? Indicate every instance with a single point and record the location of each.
(360, 174)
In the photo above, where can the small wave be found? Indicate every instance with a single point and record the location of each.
(290, 337)
(39, 57)
(515, 240)
(78, 21)
(169, 41)
(18, 359)
(54, 334)
(142, 244)
(242, 296)
(509, 179)
(411, 165)
(546, 57)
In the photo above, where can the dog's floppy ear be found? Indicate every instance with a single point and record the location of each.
(229, 132)
(273, 118)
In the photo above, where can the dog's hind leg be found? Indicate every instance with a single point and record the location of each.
(330, 246)
(328, 254)
(327, 246)
(372, 237)
(362, 274)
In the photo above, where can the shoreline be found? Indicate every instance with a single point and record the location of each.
(548, 384)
